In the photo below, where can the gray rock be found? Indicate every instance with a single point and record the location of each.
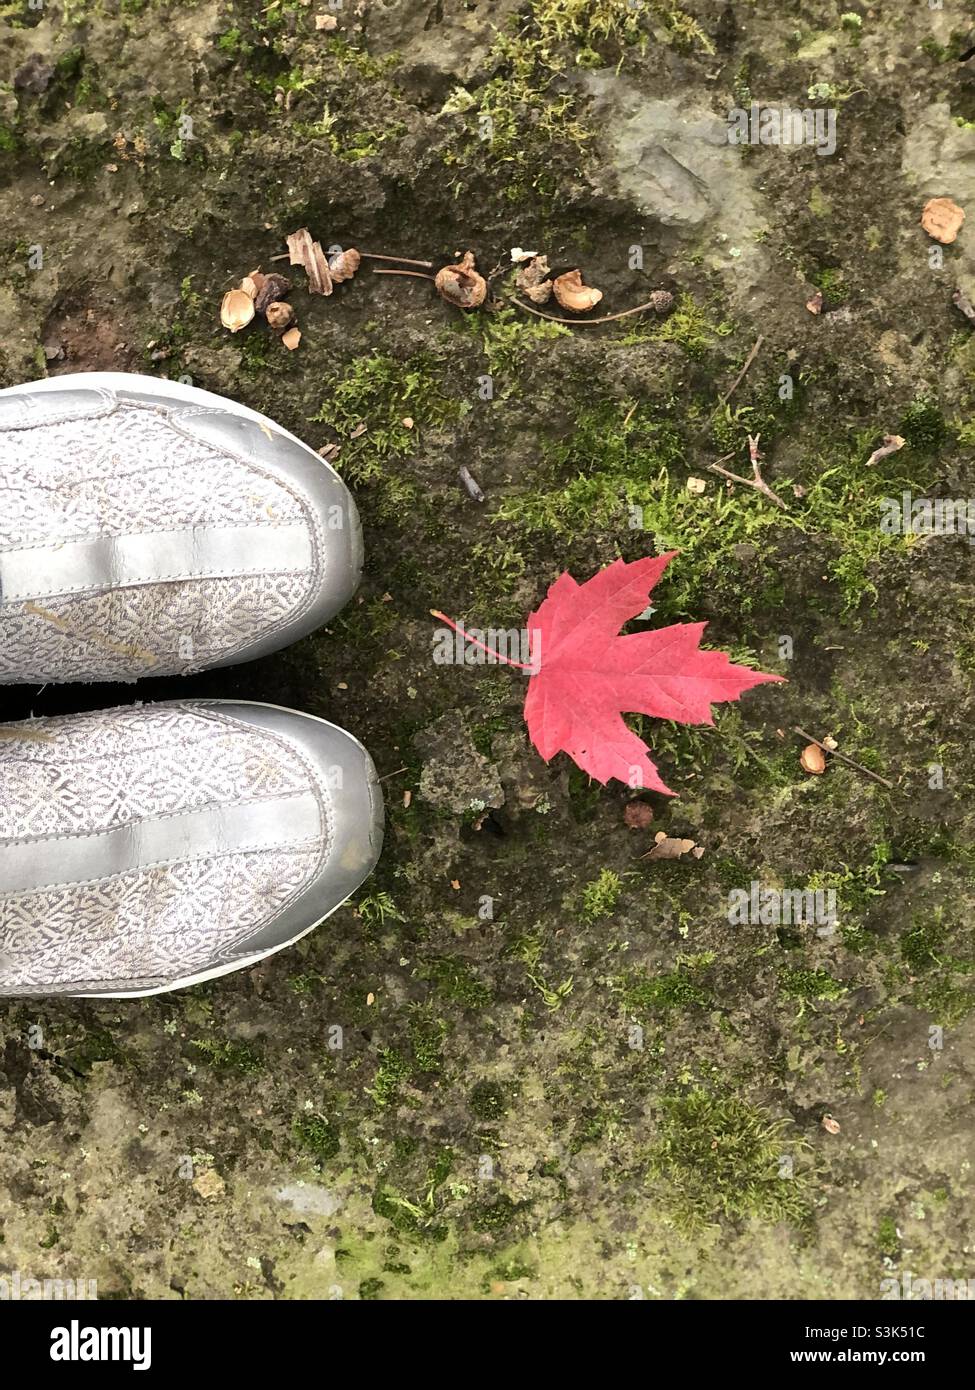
(455, 776)
(308, 1200)
(672, 161)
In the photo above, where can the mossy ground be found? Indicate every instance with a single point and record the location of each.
(598, 1087)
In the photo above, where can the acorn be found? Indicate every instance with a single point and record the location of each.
(279, 314)
(572, 294)
(236, 310)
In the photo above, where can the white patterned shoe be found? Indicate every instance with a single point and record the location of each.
(147, 848)
(150, 529)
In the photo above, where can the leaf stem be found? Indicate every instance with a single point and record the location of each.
(505, 660)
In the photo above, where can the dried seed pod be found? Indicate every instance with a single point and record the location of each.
(537, 270)
(662, 301)
(291, 339)
(942, 219)
(273, 289)
(572, 294)
(279, 314)
(813, 759)
(236, 310)
(461, 284)
(540, 294)
(533, 280)
(343, 265)
(249, 286)
(830, 1125)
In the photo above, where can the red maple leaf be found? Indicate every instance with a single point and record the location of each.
(587, 674)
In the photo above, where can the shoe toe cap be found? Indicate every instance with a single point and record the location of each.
(331, 514)
(346, 778)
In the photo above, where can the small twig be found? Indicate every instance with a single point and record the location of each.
(401, 260)
(756, 481)
(415, 274)
(394, 774)
(582, 323)
(835, 753)
(741, 375)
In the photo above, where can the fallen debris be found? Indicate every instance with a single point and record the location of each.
(668, 847)
(291, 339)
(756, 480)
(834, 752)
(473, 487)
(461, 284)
(891, 444)
(343, 265)
(572, 294)
(830, 1125)
(813, 759)
(744, 371)
(587, 323)
(306, 252)
(279, 314)
(815, 305)
(942, 219)
(236, 310)
(534, 280)
(270, 289)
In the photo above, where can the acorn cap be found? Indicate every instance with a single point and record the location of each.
(236, 310)
(572, 294)
(461, 284)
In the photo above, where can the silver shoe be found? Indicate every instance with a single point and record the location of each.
(151, 847)
(151, 529)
